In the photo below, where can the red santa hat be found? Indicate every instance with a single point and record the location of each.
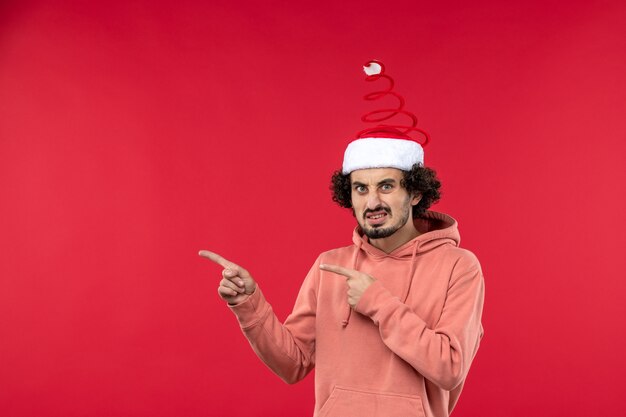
(385, 145)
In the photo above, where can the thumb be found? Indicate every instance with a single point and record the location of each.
(238, 271)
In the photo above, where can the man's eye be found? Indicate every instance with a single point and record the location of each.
(386, 187)
(360, 189)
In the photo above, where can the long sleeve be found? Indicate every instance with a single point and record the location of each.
(444, 353)
(287, 349)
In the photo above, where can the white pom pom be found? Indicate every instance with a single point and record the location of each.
(372, 68)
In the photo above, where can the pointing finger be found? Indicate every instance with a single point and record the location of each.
(225, 263)
(348, 273)
(212, 256)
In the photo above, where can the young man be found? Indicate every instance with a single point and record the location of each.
(396, 337)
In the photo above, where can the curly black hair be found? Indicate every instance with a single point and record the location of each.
(419, 179)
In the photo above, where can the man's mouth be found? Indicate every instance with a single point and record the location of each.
(377, 217)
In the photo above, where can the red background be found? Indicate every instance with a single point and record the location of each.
(133, 134)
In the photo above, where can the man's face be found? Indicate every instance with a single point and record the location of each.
(381, 205)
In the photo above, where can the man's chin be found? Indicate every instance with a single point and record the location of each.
(378, 232)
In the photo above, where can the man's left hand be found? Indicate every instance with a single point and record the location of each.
(357, 281)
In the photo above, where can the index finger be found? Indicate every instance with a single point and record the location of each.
(212, 256)
(348, 273)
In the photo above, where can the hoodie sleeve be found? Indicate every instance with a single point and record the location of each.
(444, 353)
(287, 349)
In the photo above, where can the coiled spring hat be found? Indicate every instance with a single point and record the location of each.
(385, 145)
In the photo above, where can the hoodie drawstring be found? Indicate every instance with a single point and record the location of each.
(355, 259)
(411, 272)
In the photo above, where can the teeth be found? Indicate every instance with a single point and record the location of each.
(378, 216)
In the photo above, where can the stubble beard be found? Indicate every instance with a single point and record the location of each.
(383, 232)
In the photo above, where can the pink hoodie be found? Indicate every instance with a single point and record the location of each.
(407, 347)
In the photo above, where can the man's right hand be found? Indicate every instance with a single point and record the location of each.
(237, 284)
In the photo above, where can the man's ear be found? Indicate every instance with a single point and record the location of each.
(416, 199)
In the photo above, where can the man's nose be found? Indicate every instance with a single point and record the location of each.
(373, 201)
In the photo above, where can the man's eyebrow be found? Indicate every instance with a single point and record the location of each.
(387, 181)
(381, 182)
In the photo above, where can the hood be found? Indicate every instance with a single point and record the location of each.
(435, 229)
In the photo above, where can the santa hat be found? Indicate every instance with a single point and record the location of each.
(384, 145)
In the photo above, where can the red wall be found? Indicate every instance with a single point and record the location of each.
(133, 134)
